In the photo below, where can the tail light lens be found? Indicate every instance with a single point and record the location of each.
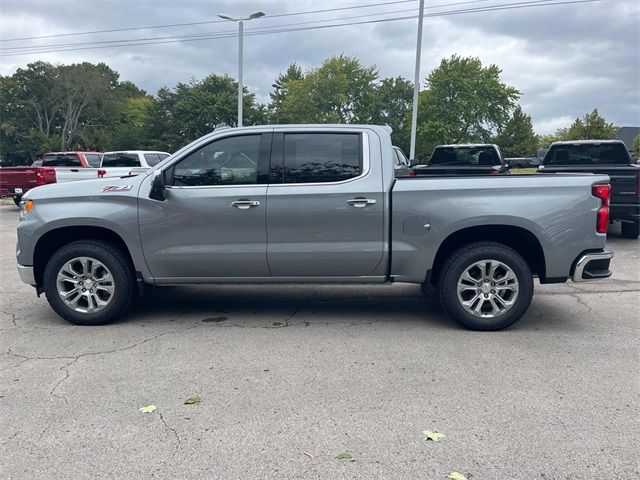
(101, 173)
(638, 185)
(412, 173)
(45, 175)
(494, 172)
(603, 192)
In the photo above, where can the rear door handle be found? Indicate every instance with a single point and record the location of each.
(244, 204)
(361, 202)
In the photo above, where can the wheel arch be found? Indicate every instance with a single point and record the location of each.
(519, 239)
(54, 239)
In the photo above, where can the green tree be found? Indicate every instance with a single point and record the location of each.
(517, 138)
(193, 109)
(341, 90)
(635, 148)
(391, 106)
(281, 89)
(462, 102)
(545, 140)
(591, 127)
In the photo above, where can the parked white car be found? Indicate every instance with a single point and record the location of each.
(130, 162)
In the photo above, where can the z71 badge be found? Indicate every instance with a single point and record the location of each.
(116, 188)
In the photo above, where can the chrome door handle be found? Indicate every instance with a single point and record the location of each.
(244, 204)
(361, 202)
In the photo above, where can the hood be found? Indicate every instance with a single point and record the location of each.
(83, 188)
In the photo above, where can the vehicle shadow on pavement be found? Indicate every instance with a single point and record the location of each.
(275, 306)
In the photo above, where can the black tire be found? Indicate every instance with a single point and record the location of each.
(462, 259)
(631, 230)
(17, 201)
(113, 259)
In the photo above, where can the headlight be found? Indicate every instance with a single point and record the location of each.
(25, 207)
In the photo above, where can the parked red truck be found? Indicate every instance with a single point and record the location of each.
(56, 167)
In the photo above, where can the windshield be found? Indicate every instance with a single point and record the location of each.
(64, 160)
(120, 160)
(482, 156)
(588, 154)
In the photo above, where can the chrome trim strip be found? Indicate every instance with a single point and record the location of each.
(584, 260)
(27, 275)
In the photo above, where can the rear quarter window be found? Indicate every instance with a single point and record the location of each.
(93, 159)
(152, 159)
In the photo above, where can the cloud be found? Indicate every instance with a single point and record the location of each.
(565, 60)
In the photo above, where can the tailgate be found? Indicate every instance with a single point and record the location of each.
(18, 179)
(623, 187)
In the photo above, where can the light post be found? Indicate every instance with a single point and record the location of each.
(416, 85)
(240, 31)
(278, 89)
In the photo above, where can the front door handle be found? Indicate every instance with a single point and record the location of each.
(361, 202)
(244, 204)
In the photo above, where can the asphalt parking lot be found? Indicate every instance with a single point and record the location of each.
(290, 377)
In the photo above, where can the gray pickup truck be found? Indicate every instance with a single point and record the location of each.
(315, 204)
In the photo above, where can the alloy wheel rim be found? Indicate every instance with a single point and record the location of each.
(85, 285)
(488, 288)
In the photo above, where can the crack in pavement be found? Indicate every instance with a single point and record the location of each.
(175, 435)
(576, 296)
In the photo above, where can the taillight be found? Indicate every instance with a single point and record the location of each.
(494, 172)
(412, 173)
(638, 185)
(45, 175)
(603, 192)
(101, 173)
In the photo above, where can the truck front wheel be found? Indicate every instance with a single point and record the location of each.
(89, 282)
(486, 286)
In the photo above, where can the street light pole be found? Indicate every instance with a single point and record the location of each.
(240, 62)
(240, 54)
(416, 85)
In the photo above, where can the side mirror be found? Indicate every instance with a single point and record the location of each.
(413, 162)
(158, 185)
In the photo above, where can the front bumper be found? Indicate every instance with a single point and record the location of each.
(592, 266)
(26, 275)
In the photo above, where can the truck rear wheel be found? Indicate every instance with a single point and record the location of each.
(631, 230)
(89, 282)
(486, 286)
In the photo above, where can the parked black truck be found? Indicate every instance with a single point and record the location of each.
(609, 157)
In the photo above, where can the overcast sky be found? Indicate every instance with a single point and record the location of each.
(565, 59)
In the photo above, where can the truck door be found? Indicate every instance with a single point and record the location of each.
(325, 205)
(212, 221)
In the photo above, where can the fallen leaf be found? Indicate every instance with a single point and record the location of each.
(433, 435)
(344, 456)
(310, 455)
(456, 476)
(148, 409)
(192, 400)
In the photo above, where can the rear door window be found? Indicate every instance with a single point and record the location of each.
(466, 156)
(64, 160)
(120, 160)
(321, 157)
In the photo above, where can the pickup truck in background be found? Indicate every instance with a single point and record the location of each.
(311, 204)
(464, 159)
(130, 162)
(604, 157)
(55, 167)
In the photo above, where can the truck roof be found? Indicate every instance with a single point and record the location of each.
(585, 142)
(136, 151)
(73, 152)
(467, 145)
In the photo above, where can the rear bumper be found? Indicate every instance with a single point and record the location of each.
(628, 211)
(592, 266)
(26, 275)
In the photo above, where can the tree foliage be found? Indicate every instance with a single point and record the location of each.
(590, 127)
(463, 101)
(635, 148)
(517, 138)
